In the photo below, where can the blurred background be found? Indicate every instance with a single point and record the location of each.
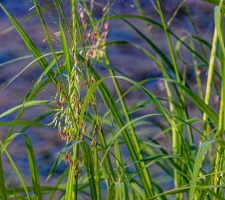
(124, 57)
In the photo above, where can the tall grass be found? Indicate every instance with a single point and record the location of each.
(97, 166)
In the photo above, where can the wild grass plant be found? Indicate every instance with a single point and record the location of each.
(96, 165)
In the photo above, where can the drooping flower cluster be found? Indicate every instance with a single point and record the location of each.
(78, 166)
(96, 38)
(67, 118)
(70, 104)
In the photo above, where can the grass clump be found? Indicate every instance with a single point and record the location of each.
(94, 140)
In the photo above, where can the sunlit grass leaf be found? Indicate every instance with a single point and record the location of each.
(21, 123)
(27, 104)
(26, 18)
(156, 49)
(117, 191)
(36, 53)
(66, 52)
(201, 151)
(46, 70)
(215, 2)
(138, 190)
(33, 169)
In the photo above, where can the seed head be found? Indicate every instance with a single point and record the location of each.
(92, 3)
(106, 6)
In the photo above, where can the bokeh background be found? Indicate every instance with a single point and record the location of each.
(125, 57)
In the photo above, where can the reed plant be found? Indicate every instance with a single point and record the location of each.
(95, 138)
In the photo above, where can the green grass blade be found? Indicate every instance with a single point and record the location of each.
(36, 53)
(86, 156)
(157, 50)
(33, 169)
(61, 155)
(65, 173)
(215, 2)
(21, 123)
(16, 59)
(32, 96)
(66, 52)
(3, 192)
(195, 98)
(46, 70)
(32, 163)
(202, 150)
(27, 104)
(42, 116)
(26, 18)
(18, 174)
(107, 96)
(44, 189)
(186, 189)
(218, 28)
(116, 191)
(138, 190)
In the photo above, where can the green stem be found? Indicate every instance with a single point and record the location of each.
(219, 153)
(3, 194)
(195, 30)
(97, 175)
(140, 155)
(142, 13)
(220, 149)
(176, 145)
(200, 43)
(75, 183)
(71, 188)
(95, 110)
(102, 139)
(175, 69)
(197, 74)
(64, 17)
(168, 89)
(209, 83)
(117, 152)
(55, 57)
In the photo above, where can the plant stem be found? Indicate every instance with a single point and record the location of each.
(146, 178)
(197, 74)
(140, 155)
(75, 183)
(176, 145)
(64, 17)
(97, 175)
(209, 83)
(220, 149)
(219, 153)
(168, 89)
(101, 136)
(3, 194)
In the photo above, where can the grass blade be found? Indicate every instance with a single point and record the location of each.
(3, 192)
(202, 150)
(27, 104)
